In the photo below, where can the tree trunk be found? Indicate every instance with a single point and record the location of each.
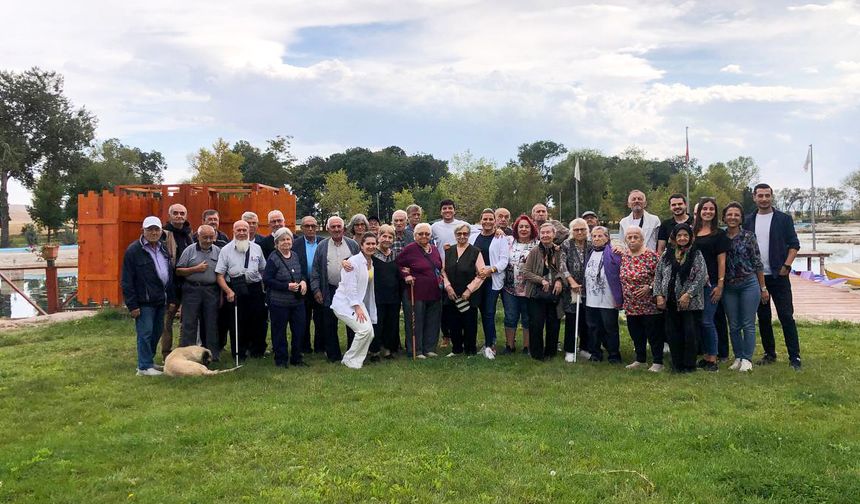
(4, 209)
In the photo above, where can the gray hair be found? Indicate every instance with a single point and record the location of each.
(206, 227)
(333, 217)
(398, 212)
(578, 220)
(277, 235)
(357, 219)
(603, 229)
(411, 208)
(250, 215)
(422, 225)
(275, 212)
(634, 229)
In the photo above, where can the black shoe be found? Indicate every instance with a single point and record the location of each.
(375, 358)
(595, 358)
(525, 350)
(614, 360)
(282, 365)
(767, 359)
(711, 366)
(795, 365)
(301, 364)
(508, 350)
(702, 364)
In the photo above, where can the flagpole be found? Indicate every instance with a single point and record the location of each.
(687, 159)
(577, 199)
(576, 178)
(812, 182)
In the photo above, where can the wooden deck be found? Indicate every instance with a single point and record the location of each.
(819, 303)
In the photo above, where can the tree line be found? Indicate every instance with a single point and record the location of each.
(48, 145)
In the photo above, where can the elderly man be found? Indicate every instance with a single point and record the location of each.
(305, 247)
(325, 277)
(276, 222)
(540, 215)
(253, 225)
(503, 221)
(402, 233)
(213, 219)
(649, 223)
(176, 237)
(413, 215)
(147, 288)
(200, 293)
(239, 273)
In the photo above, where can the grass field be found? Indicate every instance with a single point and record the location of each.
(77, 426)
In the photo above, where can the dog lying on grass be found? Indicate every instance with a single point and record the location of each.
(191, 361)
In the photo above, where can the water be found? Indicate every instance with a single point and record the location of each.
(13, 305)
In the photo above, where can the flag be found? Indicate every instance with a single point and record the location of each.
(808, 162)
(576, 171)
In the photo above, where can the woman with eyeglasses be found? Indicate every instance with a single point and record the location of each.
(420, 266)
(514, 297)
(460, 275)
(357, 226)
(573, 252)
(644, 319)
(544, 273)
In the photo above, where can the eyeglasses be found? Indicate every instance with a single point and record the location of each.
(422, 233)
(580, 230)
(309, 226)
(462, 234)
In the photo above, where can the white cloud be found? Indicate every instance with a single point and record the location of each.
(735, 69)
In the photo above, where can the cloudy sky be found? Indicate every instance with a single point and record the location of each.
(758, 78)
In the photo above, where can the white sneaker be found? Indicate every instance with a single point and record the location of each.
(452, 354)
(157, 367)
(421, 356)
(149, 372)
(656, 368)
(489, 353)
(735, 365)
(745, 366)
(666, 348)
(634, 365)
(568, 357)
(432, 354)
(584, 355)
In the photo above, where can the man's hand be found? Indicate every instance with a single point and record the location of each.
(231, 296)
(200, 268)
(135, 313)
(318, 297)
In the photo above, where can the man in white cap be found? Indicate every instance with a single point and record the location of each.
(147, 288)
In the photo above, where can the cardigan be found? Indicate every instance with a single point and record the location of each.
(319, 272)
(694, 286)
(500, 249)
(533, 273)
(423, 268)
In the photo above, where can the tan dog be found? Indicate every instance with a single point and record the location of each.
(191, 361)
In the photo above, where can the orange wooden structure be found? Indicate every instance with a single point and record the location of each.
(110, 221)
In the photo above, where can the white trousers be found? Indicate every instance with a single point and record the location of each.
(355, 355)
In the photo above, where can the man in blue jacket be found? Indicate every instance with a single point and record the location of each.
(147, 287)
(778, 244)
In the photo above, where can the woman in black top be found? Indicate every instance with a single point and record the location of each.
(461, 280)
(285, 288)
(713, 243)
(387, 285)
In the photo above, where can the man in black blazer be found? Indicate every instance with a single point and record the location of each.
(305, 247)
(778, 244)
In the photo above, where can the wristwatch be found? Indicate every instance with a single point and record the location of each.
(764, 288)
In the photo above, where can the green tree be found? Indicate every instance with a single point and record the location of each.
(40, 131)
(341, 197)
(519, 188)
(218, 166)
(743, 171)
(270, 167)
(403, 198)
(472, 186)
(47, 208)
(540, 155)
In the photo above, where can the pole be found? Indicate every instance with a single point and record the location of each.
(378, 210)
(559, 206)
(52, 288)
(412, 300)
(687, 159)
(576, 331)
(577, 200)
(812, 182)
(236, 331)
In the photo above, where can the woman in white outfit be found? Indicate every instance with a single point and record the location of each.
(354, 302)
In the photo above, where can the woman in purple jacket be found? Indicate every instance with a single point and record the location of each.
(603, 297)
(420, 265)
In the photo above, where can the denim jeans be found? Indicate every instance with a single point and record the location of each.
(741, 302)
(488, 313)
(148, 326)
(516, 310)
(708, 336)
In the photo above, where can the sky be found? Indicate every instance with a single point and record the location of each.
(749, 78)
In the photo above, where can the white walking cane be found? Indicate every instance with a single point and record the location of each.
(576, 331)
(236, 331)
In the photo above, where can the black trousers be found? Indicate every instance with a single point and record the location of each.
(253, 322)
(603, 332)
(199, 315)
(543, 315)
(332, 341)
(647, 330)
(682, 332)
(313, 312)
(721, 323)
(448, 312)
(226, 324)
(779, 288)
(464, 331)
(386, 330)
(281, 316)
(570, 328)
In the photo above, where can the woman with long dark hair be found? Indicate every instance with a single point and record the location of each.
(514, 297)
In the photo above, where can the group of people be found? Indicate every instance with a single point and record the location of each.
(687, 285)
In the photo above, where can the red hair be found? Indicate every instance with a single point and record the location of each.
(524, 217)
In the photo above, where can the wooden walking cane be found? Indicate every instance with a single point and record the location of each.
(412, 300)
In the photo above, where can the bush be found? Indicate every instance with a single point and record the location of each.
(30, 233)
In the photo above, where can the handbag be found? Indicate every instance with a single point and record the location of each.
(238, 284)
(436, 271)
(462, 304)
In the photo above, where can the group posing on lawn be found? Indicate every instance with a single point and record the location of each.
(688, 285)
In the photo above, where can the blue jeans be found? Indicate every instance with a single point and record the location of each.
(516, 310)
(708, 336)
(488, 314)
(148, 325)
(741, 303)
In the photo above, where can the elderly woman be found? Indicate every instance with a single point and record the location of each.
(357, 226)
(644, 319)
(387, 283)
(745, 287)
(603, 297)
(544, 273)
(514, 297)
(285, 288)
(463, 262)
(354, 301)
(574, 251)
(679, 286)
(420, 265)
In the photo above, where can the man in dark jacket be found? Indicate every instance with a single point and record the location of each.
(778, 244)
(305, 247)
(276, 222)
(147, 288)
(177, 237)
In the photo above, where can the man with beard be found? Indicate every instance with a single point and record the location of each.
(176, 237)
(678, 206)
(239, 273)
(540, 215)
(276, 222)
(649, 223)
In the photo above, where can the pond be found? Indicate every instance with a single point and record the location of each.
(13, 305)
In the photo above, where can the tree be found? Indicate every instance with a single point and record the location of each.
(218, 166)
(743, 171)
(518, 188)
(342, 197)
(47, 208)
(851, 183)
(540, 155)
(40, 131)
(472, 186)
(270, 167)
(403, 198)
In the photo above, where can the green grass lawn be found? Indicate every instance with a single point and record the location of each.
(77, 426)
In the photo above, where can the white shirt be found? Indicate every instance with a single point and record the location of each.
(232, 262)
(762, 236)
(355, 289)
(442, 234)
(597, 292)
(650, 228)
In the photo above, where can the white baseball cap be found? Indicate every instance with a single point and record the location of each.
(151, 221)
